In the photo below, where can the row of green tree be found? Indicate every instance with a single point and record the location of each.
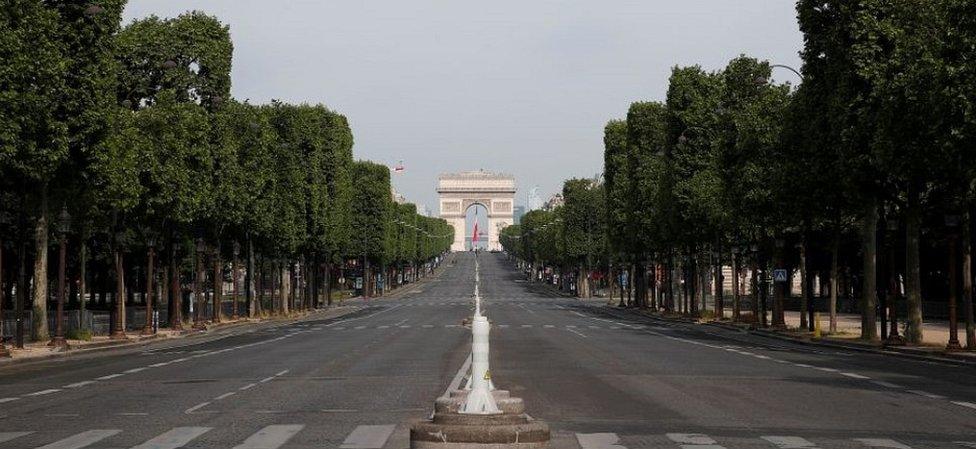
(132, 133)
(873, 149)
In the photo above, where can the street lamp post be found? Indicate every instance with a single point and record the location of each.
(892, 294)
(233, 277)
(148, 329)
(952, 223)
(198, 286)
(176, 319)
(59, 342)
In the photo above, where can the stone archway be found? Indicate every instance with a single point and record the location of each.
(458, 191)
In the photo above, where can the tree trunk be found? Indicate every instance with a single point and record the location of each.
(913, 282)
(834, 280)
(39, 315)
(82, 279)
(175, 290)
(250, 280)
(328, 283)
(719, 282)
(806, 302)
(869, 291)
(218, 285)
(967, 280)
(736, 296)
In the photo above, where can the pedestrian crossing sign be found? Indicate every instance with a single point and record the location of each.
(779, 275)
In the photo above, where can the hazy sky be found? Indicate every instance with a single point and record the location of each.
(521, 87)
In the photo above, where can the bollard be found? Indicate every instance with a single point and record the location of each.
(479, 400)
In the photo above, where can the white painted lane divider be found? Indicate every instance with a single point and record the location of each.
(599, 441)
(271, 437)
(881, 442)
(368, 437)
(43, 392)
(7, 436)
(82, 439)
(786, 442)
(196, 407)
(694, 441)
(174, 438)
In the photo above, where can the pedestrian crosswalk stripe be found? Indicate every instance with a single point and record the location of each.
(599, 441)
(175, 438)
(271, 437)
(7, 436)
(694, 441)
(82, 439)
(368, 437)
(790, 442)
(881, 442)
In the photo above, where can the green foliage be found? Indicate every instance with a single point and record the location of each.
(189, 55)
(372, 207)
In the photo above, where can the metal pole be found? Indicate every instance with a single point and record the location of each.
(59, 341)
(150, 271)
(3, 349)
(953, 344)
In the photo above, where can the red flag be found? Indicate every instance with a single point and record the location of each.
(475, 238)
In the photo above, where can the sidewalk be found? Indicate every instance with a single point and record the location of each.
(934, 333)
(40, 350)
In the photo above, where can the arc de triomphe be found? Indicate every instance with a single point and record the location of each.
(459, 191)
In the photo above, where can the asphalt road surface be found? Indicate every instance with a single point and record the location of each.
(602, 378)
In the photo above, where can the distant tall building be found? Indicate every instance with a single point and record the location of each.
(535, 201)
(518, 212)
(553, 202)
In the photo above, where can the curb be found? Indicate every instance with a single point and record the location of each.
(147, 340)
(902, 353)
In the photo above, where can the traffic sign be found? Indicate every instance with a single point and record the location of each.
(779, 275)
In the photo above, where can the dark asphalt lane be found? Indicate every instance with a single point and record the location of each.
(603, 378)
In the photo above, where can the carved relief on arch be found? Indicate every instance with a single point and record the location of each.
(482, 201)
(450, 207)
(502, 207)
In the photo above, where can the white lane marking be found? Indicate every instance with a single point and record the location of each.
(338, 410)
(359, 328)
(886, 384)
(969, 444)
(82, 439)
(881, 442)
(5, 400)
(174, 438)
(694, 441)
(599, 441)
(281, 373)
(828, 370)
(368, 437)
(133, 414)
(79, 384)
(110, 376)
(248, 387)
(7, 436)
(965, 404)
(271, 437)
(427, 326)
(405, 326)
(181, 360)
(43, 392)
(548, 326)
(926, 394)
(134, 370)
(225, 395)
(196, 407)
(160, 364)
(267, 379)
(526, 326)
(459, 376)
(577, 332)
(790, 442)
(854, 376)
